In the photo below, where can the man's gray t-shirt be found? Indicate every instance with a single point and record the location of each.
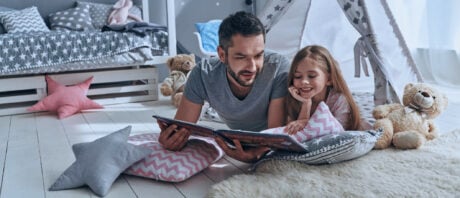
(208, 82)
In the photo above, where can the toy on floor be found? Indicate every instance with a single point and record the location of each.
(120, 13)
(179, 67)
(65, 100)
(410, 125)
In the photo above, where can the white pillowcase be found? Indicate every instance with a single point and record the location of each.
(26, 20)
(173, 166)
(321, 123)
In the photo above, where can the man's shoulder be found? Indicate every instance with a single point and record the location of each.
(277, 60)
(272, 53)
(274, 57)
(209, 64)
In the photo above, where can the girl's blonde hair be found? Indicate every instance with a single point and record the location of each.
(328, 64)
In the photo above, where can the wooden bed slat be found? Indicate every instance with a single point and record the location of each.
(114, 86)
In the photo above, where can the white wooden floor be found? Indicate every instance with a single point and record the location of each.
(36, 148)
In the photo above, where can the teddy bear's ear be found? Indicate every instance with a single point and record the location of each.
(169, 62)
(408, 87)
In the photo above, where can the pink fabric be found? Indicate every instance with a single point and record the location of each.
(120, 13)
(339, 107)
(65, 100)
(173, 166)
(341, 110)
(321, 123)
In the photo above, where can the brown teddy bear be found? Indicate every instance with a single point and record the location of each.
(408, 126)
(179, 67)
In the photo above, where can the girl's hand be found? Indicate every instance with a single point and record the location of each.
(295, 126)
(295, 93)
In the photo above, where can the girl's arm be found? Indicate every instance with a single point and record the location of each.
(304, 115)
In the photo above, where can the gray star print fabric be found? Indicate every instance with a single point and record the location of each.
(46, 49)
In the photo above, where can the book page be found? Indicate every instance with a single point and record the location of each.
(247, 138)
(255, 139)
(195, 129)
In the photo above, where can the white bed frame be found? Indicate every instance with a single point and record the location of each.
(133, 83)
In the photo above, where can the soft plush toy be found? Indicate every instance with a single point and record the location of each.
(179, 67)
(120, 13)
(408, 126)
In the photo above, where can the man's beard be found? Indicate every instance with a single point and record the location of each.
(238, 80)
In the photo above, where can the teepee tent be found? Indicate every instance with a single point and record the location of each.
(358, 33)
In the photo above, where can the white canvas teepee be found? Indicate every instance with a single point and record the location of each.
(358, 33)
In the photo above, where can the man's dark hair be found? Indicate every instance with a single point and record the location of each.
(241, 22)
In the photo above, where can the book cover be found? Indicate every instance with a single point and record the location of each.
(247, 138)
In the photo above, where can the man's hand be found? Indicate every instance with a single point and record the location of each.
(172, 138)
(249, 156)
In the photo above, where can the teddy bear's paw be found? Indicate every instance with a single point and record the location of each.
(166, 90)
(176, 99)
(380, 111)
(382, 144)
(408, 140)
(431, 136)
(385, 139)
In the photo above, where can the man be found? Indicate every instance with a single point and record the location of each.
(245, 85)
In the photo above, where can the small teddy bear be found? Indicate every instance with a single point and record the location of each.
(179, 67)
(120, 13)
(409, 125)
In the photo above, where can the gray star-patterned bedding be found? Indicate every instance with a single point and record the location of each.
(40, 52)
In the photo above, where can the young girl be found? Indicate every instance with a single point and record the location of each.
(315, 77)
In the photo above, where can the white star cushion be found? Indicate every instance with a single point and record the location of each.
(100, 162)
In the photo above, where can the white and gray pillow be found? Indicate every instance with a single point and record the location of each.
(99, 163)
(74, 19)
(100, 12)
(331, 148)
(2, 9)
(25, 20)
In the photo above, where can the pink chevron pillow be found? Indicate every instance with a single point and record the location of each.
(172, 166)
(322, 122)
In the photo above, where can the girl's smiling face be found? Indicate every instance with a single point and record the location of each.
(311, 79)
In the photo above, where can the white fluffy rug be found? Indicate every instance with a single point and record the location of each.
(431, 171)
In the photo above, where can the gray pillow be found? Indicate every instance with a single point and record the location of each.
(100, 12)
(26, 20)
(76, 19)
(2, 9)
(331, 148)
(100, 162)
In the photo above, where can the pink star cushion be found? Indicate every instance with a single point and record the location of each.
(65, 100)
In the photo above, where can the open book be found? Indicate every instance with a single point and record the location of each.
(247, 138)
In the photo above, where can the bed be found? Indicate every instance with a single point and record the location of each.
(123, 63)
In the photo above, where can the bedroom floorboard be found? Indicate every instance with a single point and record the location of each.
(36, 148)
